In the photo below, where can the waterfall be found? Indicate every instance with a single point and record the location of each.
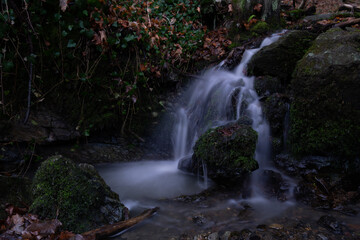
(215, 99)
(209, 102)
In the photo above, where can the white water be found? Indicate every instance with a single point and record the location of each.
(216, 98)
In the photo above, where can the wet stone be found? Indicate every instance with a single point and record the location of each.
(199, 219)
(276, 226)
(213, 236)
(321, 237)
(331, 224)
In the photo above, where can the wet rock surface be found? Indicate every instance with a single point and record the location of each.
(279, 59)
(275, 185)
(325, 111)
(44, 126)
(226, 152)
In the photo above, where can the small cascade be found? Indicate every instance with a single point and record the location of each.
(209, 103)
(217, 98)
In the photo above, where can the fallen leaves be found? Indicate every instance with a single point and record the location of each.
(20, 224)
(215, 44)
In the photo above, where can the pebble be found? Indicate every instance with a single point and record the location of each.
(276, 226)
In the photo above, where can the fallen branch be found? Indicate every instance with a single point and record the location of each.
(348, 23)
(108, 230)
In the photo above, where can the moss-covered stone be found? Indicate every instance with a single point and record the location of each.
(76, 195)
(275, 107)
(325, 113)
(228, 151)
(260, 28)
(279, 59)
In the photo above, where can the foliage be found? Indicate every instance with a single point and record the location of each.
(95, 61)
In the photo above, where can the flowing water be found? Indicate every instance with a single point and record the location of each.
(216, 98)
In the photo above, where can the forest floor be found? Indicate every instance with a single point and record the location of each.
(322, 6)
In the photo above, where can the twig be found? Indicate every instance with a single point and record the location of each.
(30, 81)
(2, 88)
(348, 23)
(31, 157)
(108, 230)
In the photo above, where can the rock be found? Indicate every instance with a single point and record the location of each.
(226, 235)
(96, 152)
(185, 163)
(318, 17)
(331, 224)
(275, 107)
(199, 219)
(303, 166)
(328, 191)
(275, 186)
(76, 195)
(325, 113)
(43, 126)
(279, 59)
(11, 157)
(226, 151)
(276, 226)
(213, 236)
(267, 85)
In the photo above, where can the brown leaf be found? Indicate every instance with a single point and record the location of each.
(45, 228)
(103, 37)
(258, 7)
(63, 5)
(96, 39)
(142, 67)
(18, 223)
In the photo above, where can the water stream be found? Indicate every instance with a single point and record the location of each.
(216, 98)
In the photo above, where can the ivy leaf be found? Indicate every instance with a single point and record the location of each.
(71, 44)
(129, 38)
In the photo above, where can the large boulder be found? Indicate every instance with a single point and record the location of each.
(226, 151)
(74, 194)
(279, 59)
(325, 113)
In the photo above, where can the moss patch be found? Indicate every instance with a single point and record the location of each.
(325, 113)
(227, 151)
(74, 195)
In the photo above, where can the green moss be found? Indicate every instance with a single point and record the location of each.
(296, 14)
(65, 191)
(325, 116)
(260, 28)
(229, 149)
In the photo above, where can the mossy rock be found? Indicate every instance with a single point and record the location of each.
(279, 58)
(260, 28)
(228, 152)
(76, 195)
(267, 85)
(325, 113)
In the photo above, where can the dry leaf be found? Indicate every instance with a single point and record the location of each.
(63, 5)
(258, 7)
(45, 228)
